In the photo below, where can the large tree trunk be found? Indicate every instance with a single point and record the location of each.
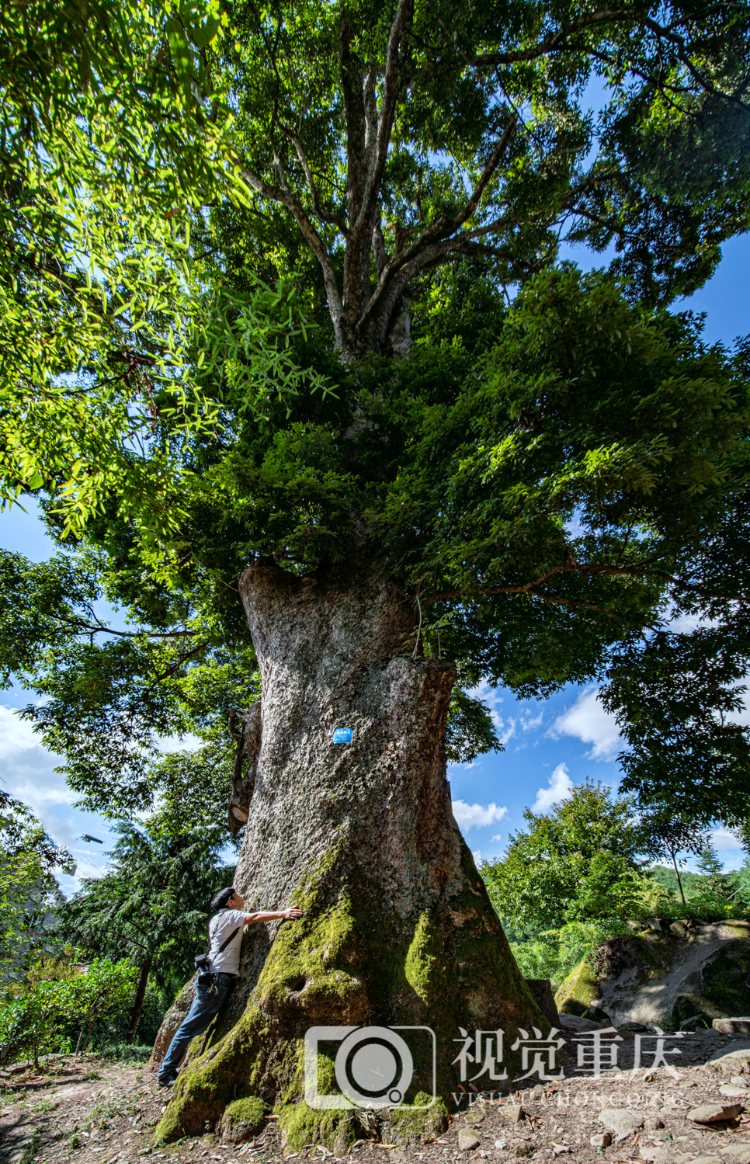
(398, 928)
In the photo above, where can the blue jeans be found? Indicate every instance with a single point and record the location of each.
(205, 1005)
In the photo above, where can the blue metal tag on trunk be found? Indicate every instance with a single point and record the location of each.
(343, 736)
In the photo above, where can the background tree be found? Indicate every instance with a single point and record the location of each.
(513, 502)
(578, 862)
(152, 904)
(664, 836)
(29, 860)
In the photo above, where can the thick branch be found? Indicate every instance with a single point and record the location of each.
(356, 279)
(431, 244)
(312, 238)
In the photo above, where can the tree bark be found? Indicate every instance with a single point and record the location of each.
(140, 994)
(398, 928)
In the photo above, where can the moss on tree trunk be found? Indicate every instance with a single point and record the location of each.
(398, 928)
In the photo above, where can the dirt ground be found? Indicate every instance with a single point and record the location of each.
(86, 1111)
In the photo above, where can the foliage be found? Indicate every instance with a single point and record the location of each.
(679, 690)
(470, 730)
(110, 126)
(40, 1019)
(555, 953)
(373, 362)
(152, 903)
(108, 704)
(576, 863)
(29, 859)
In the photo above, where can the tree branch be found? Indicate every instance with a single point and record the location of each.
(323, 215)
(312, 238)
(431, 245)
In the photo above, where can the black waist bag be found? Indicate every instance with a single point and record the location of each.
(203, 961)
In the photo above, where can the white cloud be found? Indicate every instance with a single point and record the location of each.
(529, 722)
(186, 743)
(724, 839)
(588, 721)
(28, 773)
(477, 855)
(499, 837)
(505, 729)
(559, 788)
(475, 816)
(16, 735)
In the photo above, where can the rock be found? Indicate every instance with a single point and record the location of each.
(501, 1143)
(474, 1115)
(663, 1155)
(739, 1154)
(679, 929)
(730, 1060)
(512, 1112)
(560, 1149)
(541, 992)
(653, 1123)
(242, 1119)
(536, 1094)
(623, 1123)
(602, 1140)
(732, 1026)
(522, 1149)
(740, 1080)
(706, 1160)
(711, 1113)
(732, 1089)
(467, 1141)
(575, 1022)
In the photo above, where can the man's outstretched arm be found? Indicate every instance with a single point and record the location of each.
(287, 914)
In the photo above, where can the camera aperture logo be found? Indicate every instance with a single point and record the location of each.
(374, 1066)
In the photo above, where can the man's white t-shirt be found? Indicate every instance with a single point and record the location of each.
(219, 929)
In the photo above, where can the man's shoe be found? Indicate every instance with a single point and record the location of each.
(165, 1082)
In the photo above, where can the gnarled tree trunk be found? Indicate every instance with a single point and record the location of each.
(398, 928)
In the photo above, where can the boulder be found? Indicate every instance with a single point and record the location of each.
(712, 1113)
(732, 1026)
(602, 1140)
(574, 1022)
(578, 992)
(541, 991)
(467, 1140)
(242, 1119)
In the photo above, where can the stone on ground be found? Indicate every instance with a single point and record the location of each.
(467, 1140)
(513, 1112)
(622, 1123)
(711, 1113)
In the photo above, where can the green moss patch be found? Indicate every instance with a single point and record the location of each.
(412, 1123)
(301, 1125)
(579, 990)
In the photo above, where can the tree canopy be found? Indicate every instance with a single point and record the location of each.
(386, 366)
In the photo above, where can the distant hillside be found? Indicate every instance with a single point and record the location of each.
(668, 878)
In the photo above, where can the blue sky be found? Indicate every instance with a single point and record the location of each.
(549, 747)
